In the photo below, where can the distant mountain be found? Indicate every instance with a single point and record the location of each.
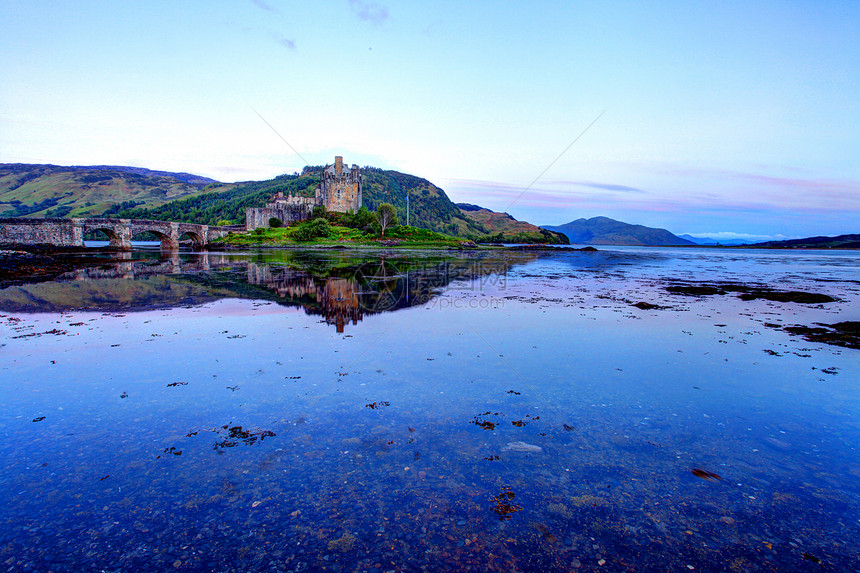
(838, 242)
(505, 229)
(76, 191)
(713, 242)
(606, 231)
(196, 180)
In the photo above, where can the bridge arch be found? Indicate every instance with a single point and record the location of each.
(118, 235)
(197, 239)
(107, 234)
(168, 243)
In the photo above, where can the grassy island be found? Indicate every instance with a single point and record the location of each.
(322, 231)
(365, 228)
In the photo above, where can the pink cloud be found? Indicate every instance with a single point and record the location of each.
(713, 190)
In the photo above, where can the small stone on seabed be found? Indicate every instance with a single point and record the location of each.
(601, 562)
(522, 447)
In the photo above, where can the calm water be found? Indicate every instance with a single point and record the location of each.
(323, 411)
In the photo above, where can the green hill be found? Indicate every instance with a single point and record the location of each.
(59, 191)
(606, 231)
(429, 206)
(227, 204)
(503, 228)
(839, 242)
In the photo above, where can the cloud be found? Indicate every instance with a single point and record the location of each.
(545, 194)
(739, 188)
(284, 41)
(496, 193)
(263, 5)
(596, 185)
(369, 11)
(748, 198)
(730, 236)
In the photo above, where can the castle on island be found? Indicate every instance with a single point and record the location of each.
(339, 190)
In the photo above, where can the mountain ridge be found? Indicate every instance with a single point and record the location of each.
(851, 241)
(47, 190)
(606, 231)
(506, 229)
(711, 242)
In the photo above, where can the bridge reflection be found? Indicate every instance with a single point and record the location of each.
(341, 288)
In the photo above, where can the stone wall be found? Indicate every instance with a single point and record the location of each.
(286, 211)
(53, 232)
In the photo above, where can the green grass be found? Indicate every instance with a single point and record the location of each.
(400, 236)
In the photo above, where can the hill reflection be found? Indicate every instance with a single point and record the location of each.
(342, 288)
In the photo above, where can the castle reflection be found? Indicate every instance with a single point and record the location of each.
(347, 293)
(334, 298)
(342, 288)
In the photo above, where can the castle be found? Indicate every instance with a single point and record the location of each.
(339, 190)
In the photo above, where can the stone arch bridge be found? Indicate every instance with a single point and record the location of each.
(70, 232)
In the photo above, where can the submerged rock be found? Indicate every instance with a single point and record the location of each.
(522, 447)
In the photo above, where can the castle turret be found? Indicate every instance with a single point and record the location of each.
(340, 187)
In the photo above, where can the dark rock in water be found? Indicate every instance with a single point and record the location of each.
(845, 334)
(788, 296)
(751, 293)
(811, 557)
(648, 306)
(847, 328)
(706, 475)
(691, 290)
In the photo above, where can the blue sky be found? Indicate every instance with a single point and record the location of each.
(717, 117)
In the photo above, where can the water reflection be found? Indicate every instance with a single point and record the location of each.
(342, 288)
(571, 430)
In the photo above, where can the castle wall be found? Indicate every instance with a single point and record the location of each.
(287, 212)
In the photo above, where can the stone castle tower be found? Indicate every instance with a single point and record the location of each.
(340, 187)
(339, 190)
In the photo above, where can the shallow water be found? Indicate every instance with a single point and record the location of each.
(324, 411)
